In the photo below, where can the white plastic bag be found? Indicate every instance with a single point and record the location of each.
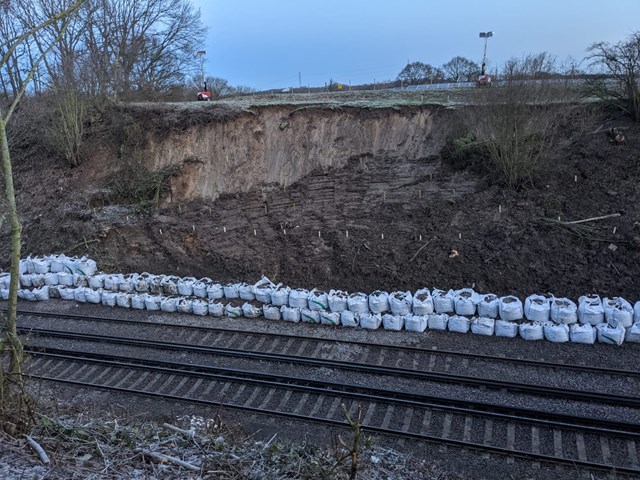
(152, 302)
(41, 294)
(370, 321)
(262, 290)
(57, 263)
(537, 308)
(65, 278)
(557, 333)
(510, 308)
(379, 302)
(633, 334)
(111, 282)
(200, 287)
(416, 323)
(337, 300)
(128, 283)
(464, 302)
(123, 300)
(139, 300)
(505, 328)
(590, 310)
(231, 291)
(215, 291)
(617, 311)
(85, 266)
(79, 294)
(459, 324)
(318, 300)
(298, 298)
(251, 311)
(392, 322)
(610, 334)
(185, 286)
(232, 311)
(309, 316)
(216, 309)
(93, 296)
(50, 279)
(169, 304)
(400, 303)
(442, 301)
(25, 280)
(200, 306)
(422, 303)
(330, 318)
(483, 326)
(41, 264)
(26, 295)
(108, 299)
(280, 296)
(531, 331)
(358, 302)
(170, 285)
(96, 281)
(271, 312)
(563, 311)
(349, 319)
(66, 293)
(290, 314)
(184, 305)
(438, 321)
(245, 291)
(636, 312)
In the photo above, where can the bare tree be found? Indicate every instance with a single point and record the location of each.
(460, 69)
(418, 72)
(620, 64)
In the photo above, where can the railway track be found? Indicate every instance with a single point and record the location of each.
(584, 441)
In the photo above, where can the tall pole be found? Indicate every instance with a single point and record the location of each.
(201, 54)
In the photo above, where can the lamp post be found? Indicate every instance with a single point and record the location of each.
(201, 54)
(486, 36)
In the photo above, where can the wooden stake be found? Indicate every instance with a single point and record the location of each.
(224, 229)
(160, 231)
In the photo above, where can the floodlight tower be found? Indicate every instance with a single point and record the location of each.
(486, 36)
(201, 54)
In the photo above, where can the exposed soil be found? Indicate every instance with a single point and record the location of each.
(478, 233)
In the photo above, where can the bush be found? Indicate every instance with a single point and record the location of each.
(134, 183)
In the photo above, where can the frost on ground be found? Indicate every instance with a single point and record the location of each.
(191, 448)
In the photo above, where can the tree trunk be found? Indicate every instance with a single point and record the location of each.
(13, 344)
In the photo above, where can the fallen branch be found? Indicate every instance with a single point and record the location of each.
(188, 433)
(575, 222)
(420, 249)
(44, 458)
(159, 457)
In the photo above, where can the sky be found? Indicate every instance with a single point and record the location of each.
(276, 43)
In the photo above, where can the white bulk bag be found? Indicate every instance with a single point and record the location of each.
(290, 314)
(23, 266)
(151, 302)
(108, 299)
(505, 328)
(41, 294)
(29, 265)
(85, 266)
(170, 285)
(251, 311)
(200, 307)
(50, 279)
(438, 321)
(123, 300)
(610, 334)
(318, 300)
(309, 316)
(79, 294)
(184, 305)
(392, 322)
(93, 296)
(531, 331)
(279, 296)
(53, 291)
(271, 312)
(262, 290)
(169, 304)
(400, 303)
(483, 326)
(379, 302)
(537, 308)
(245, 291)
(41, 264)
(636, 312)
(139, 300)
(442, 301)
(422, 303)
(349, 319)
(415, 323)
(80, 280)
(633, 334)
(370, 321)
(215, 291)
(582, 333)
(557, 333)
(185, 286)
(510, 308)
(111, 282)
(96, 281)
(154, 284)
(337, 300)
(459, 324)
(37, 280)
(298, 298)
(231, 311)
(231, 291)
(26, 295)
(65, 278)
(5, 279)
(216, 309)
(200, 287)
(142, 282)
(563, 311)
(4, 294)
(25, 280)
(464, 302)
(128, 283)
(590, 310)
(358, 302)
(330, 318)
(66, 293)
(617, 311)
(57, 263)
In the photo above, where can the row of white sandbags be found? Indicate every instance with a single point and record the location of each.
(56, 264)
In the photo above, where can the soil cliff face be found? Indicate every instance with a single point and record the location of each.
(281, 145)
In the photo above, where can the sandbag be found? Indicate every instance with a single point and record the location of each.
(93, 296)
(123, 300)
(112, 281)
(108, 299)
(215, 291)
(169, 304)
(330, 318)
(245, 292)
(29, 265)
(262, 290)
(4, 293)
(443, 301)
(5, 279)
(170, 285)
(199, 306)
(617, 311)
(200, 288)
(25, 280)
(459, 324)
(216, 309)
(557, 333)
(65, 278)
(422, 303)
(370, 321)
(337, 300)
(349, 319)
(563, 311)
(96, 281)
(537, 308)
(636, 312)
(279, 296)
(66, 293)
(438, 321)
(231, 291)
(309, 316)
(251, 311)
(27, 295)
(154, 285)
(23, 266)
(128, 283)
(290, 314)
(531, 330)
(416, 323)
(464, 302)
(400, 303)
(610, 334)
(151, 302)
(392, 322)
(582, 333)
(590, 310)
(483, 326)
(41, 264)
(379, 302)
(510, 308)
(271, 312)
(53, 291)
(50, 279)
(139, 300)
(185, 286)
(85, 266)
(37, 280)
(41, 294)
(232, 311)
(358, 302)
(633, 334)
(505, 328)
(57, 263)
(142, 282)
(79, 294)
(184, 305)
(318, 300)
(298, 298)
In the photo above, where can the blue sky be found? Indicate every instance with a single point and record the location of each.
(265, 44)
